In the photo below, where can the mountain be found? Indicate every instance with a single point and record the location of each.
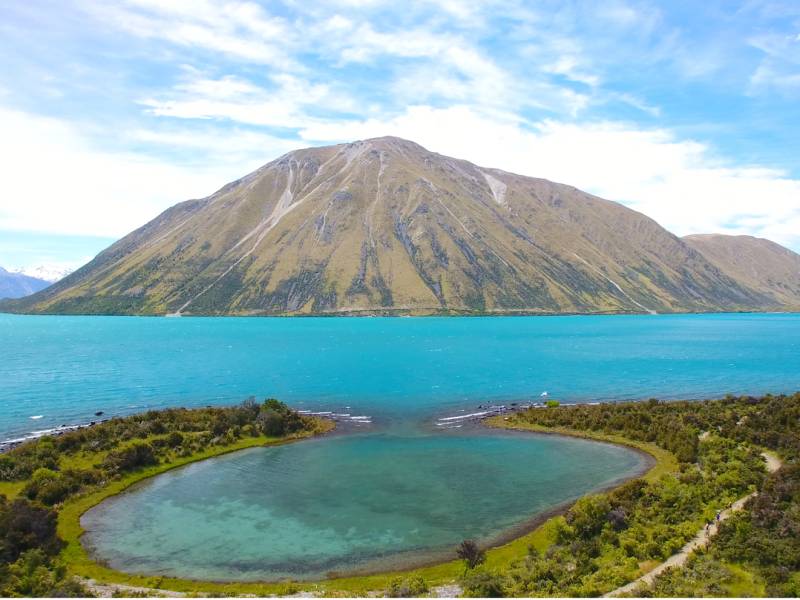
(384, 226)
(49, 273)
(16, 285)
(759, 263)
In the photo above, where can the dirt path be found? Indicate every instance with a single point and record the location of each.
(701, 540)
(447, 591)
(107, 590)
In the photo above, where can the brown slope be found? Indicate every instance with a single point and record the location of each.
(385, 225)
(759, 263)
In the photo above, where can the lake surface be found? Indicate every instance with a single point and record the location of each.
(397, 370)
(398, 489)
(367, 501)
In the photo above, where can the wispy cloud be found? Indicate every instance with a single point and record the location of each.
(779, 69)
(178, 97)
(283, 102)
(241, 30)
(57, 180)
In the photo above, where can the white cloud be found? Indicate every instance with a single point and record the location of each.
(232, 98)
(779, 68)
(54, 180)
(57, 182)
(682, 184)
(241, 30)
(499, 66)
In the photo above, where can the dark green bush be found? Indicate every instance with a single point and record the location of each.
(135, 456)
(411, 587)
(25, 526)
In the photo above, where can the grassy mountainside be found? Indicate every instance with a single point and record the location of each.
(385, 226)
(759, 263)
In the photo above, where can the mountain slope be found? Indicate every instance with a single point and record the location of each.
(759, 263)
(17, 285)
(384, 225)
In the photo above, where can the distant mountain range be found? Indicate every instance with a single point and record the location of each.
(384, 226)
(49, 273)
(17, 285)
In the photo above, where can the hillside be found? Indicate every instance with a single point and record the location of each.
(17, 285)
(384, 226)
(759, 263)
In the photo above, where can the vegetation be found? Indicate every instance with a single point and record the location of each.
(47, 483)
(411, 587)
(756, 552)
(471, 554)
(607, 540)
(602, 542)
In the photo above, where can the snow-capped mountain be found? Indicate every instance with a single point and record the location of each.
(50, 273)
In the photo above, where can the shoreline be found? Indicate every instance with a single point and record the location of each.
(441, 566)
(490, 409)
(69, 528)
(411, 313)
(502, 538)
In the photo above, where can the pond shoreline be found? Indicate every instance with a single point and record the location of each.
(499, 543)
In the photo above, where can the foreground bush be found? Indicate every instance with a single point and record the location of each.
(412, 587)
(603, 539)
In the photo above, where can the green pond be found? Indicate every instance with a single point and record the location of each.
(344, 504)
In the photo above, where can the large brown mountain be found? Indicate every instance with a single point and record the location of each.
(385, 226)
(758, 263)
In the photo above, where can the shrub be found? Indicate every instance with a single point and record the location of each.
(470, 553)
(24, 526)
(34, 575)
(413, 587)
(588, 515)
(174, 439)
(135, 456)
(483, 584)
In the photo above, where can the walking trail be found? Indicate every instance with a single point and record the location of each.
(701, 540)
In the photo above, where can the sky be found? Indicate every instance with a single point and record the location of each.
(111, 112)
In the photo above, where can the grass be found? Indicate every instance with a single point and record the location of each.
(81, 564)
(12, 489)
(744, 583)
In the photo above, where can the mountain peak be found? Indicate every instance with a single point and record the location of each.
(388, 144)
(390, 141)
(382, 225)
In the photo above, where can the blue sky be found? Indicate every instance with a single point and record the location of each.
(113, 111)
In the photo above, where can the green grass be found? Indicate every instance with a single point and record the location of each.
(11, 489)
(744, 583)
(81, 564)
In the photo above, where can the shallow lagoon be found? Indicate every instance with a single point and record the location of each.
(365, 502)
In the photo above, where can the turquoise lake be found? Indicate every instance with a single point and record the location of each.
(65, 369)
(393, 489)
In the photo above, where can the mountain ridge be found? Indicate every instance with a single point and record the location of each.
(17, 285)
(759, 262)
(383, 226)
